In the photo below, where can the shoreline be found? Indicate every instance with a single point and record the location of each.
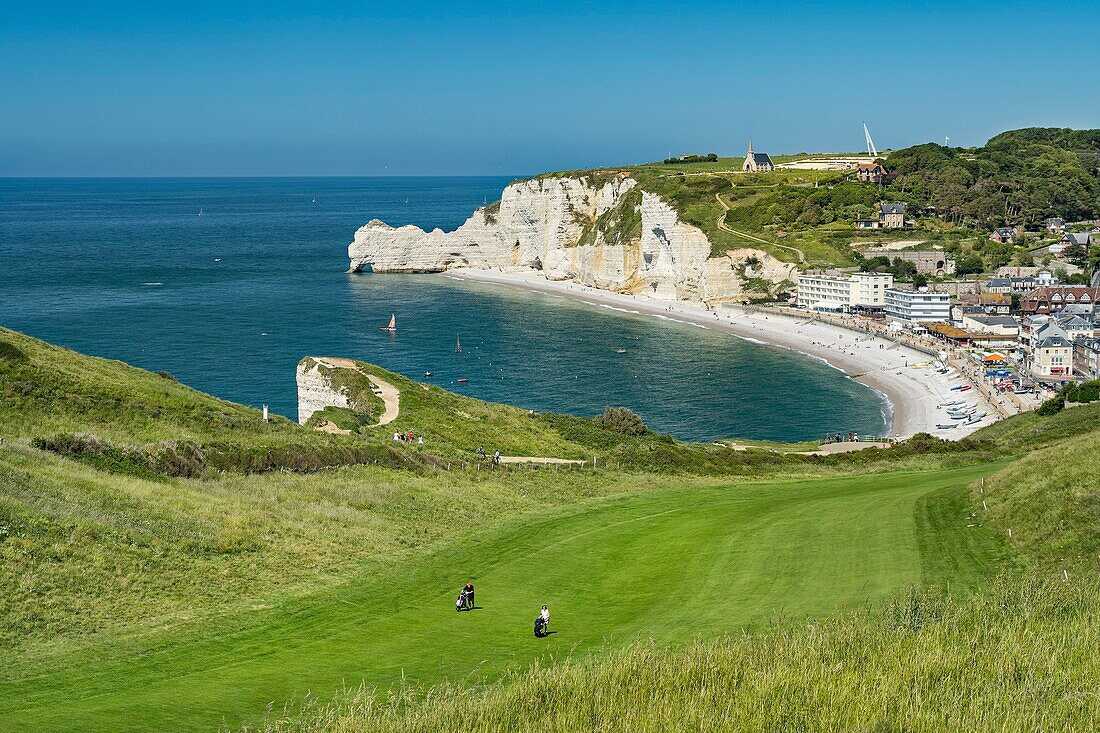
(910, 390)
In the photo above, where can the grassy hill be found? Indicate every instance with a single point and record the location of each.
(134, 592)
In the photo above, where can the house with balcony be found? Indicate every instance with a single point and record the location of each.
(1052, 359)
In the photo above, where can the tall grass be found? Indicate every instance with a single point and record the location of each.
(1017, 657)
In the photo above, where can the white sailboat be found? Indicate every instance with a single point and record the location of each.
(392, 328)
(458, 345)
(200, 211)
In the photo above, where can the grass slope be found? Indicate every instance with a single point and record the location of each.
(1015, 658)
(668, 565)
(1051, 498)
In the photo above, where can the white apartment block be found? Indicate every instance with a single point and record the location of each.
(865, 290)
(918, 306)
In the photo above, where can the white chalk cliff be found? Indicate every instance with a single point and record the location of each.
(571, 229)
(316, 390)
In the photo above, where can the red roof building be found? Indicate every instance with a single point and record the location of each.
(1054, 299)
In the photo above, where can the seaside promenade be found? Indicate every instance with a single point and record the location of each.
(1006, 404)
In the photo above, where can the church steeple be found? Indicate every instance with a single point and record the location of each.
(748, 156)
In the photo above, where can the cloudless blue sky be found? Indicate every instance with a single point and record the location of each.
(344, 88)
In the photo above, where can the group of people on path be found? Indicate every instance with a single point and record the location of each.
(482, 455)
(466, 603)
(839, 438)
(409, 438)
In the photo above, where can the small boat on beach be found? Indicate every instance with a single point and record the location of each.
(392, 328)
(941, 426)
(965, 388)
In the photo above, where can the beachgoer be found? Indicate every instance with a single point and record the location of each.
(396, 436)
(420, 440)
(496, 457)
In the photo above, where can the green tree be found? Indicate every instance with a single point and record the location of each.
(969, 264)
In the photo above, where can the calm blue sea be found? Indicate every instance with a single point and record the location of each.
(229, 301)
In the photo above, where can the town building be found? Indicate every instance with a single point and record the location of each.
(917, 306)
(1068, 240)
(998, 325)
(1005, 329)
(1055, 224)
(1088, 311)
(961, 337)
(870, 172)
(1082, 239)
(995, 303)
(1003, 235)
(1086, 358)
(1075, 326)
(757, 162)
(928, 261)
(1020, 284)
(867, 223)
(1052, 358)
(1052, 299)
(864, 291)
(892, 216)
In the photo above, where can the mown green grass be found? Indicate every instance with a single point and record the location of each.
(668, 565)
(1018, 657)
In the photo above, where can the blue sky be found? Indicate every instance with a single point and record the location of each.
(451, 88)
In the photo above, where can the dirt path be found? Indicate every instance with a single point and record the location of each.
(541, 459)
(722, 225)
(390, 395)
(828, 449)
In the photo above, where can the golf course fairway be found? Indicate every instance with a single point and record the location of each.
(671, 565)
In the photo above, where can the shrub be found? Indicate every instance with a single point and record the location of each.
(1083, 392)
(622, 420)
(1052, 406)
(11, 352)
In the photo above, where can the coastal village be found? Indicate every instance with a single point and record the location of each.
(1022, 330)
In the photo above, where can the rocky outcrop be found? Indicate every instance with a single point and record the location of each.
(316, 390)
(576, 229)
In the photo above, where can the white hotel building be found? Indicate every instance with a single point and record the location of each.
(859, 291)
(918, 306)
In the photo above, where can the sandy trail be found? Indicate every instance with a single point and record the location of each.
(390, 395)
(541, 459)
